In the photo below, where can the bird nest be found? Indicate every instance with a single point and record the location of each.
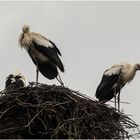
(58, 112)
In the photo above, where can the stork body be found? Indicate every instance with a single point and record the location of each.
(15, 81)
(114, 79)
(43, 52)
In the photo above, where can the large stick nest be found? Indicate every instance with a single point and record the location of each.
(58, 112)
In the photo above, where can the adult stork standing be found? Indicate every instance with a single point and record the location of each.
(43, 52)
(114, 79)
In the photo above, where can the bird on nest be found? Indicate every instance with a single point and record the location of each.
(114, 79)
(43, 52)
(15, 81)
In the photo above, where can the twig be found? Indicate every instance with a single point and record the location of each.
(35, 116)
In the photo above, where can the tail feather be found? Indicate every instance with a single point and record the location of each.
(48, 70)
(106, 95)
(60, 65)
(105, 92)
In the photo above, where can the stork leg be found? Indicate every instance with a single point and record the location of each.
(115, 98)
(119, 101)
(37, 73)
(59, 80)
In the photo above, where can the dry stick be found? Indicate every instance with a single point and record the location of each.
(72, 98)
(62, 103)
(25, 104)
(120, 102)
(5, 111)
(8, 129)
(30, 118)
(35, 116)
(42, 123)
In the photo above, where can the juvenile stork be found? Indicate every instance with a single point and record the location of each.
(43, 52)
(15, 81)
(114, 79)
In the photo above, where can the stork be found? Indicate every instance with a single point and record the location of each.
(43, 52)
(15, 81)
(114, 79)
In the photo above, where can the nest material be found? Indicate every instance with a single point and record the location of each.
(58, 112)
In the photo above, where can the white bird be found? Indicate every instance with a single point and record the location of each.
(15, 81)
(114, 79)
(43, 53)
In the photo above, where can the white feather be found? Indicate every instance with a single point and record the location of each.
(115, 70)
(40, 40)
(17, 73)
(13, 80)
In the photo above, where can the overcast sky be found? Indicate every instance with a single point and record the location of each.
(92, 36)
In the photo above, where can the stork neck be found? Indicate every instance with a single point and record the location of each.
(129, 74)
(134, 69)
(132, 73)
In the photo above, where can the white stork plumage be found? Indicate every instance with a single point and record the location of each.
(43, 53)
(114, 79)
(15, 81)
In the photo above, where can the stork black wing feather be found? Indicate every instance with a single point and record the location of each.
(50, 53)
(48, 70)
(57, 50)
(105, 91)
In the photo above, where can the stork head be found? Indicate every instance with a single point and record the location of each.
(137, 66)
(20, 77)
(24, 37)
(26, 29)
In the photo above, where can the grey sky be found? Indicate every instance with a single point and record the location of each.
(92, 36)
